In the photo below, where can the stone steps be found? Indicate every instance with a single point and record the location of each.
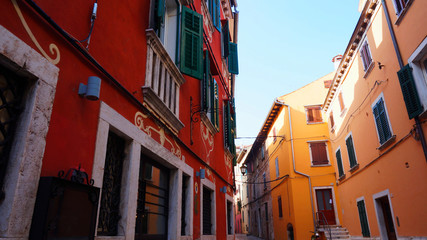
(337, 232)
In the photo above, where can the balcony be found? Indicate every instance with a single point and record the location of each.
(162, 83)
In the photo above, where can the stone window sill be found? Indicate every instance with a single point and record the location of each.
(354, 168)
(387, 143)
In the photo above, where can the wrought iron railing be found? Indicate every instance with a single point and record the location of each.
(321, 221)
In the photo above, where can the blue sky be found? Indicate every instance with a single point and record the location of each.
(284, 45)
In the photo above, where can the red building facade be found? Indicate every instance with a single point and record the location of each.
(138, 95)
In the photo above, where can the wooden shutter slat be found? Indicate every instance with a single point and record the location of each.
(233, 65)
(192, 44)
(409, 91)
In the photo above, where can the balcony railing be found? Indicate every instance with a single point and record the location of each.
(162, 82)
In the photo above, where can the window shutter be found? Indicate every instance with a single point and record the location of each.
(350, 150)
(205, 82)
(310, 115)
(160, 8)
(409, 91)
(233, 65)
(215, 109)
(192, 43)
(318, 153)
(217, 13)
(225, 40)
(363, 218)
(381, 121)
(339, 163)
(279, 200)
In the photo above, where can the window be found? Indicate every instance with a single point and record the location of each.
(363, 218)
(274, 134)
(165, 24)
(339, 163)
(263, 151)
(409, 88)
(319, 153)
(279, 200)
(208, 212)
(233, 63)
(184, 200)
(230, 127)
(12, 95)
(229, 217)
(400, 5)
(351, 152)
(341, 101)
(314, 114)
(109, 212)
(365, 54)
(277, 167)
(210, 102)
(225, 37)
(381, 120)
(331, 120)
(265, 181)
(215, 11)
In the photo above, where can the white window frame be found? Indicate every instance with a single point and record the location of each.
(24, 174)
(420, 78)
(229, 199)
(111, 120)
(381, 96)
(366, 211)
(311, 107)
(327, 152)
(366, 65)
(206, 183)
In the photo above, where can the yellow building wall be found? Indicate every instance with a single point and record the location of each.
(295, 191)
(402, 170)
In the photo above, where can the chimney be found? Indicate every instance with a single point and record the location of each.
(336, 60)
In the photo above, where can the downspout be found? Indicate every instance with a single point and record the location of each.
(399, 59)
(293, 163)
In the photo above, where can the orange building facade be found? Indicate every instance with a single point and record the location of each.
(376, 109)
(293, 157)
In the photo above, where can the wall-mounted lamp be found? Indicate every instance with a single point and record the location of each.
(91, 91)
(223, 189)
(243, 169)
(380, 66)
(201, 173)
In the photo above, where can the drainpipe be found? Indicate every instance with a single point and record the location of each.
(293, 163)
(399, 59)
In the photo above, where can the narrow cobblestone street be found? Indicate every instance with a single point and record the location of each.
(246, 237)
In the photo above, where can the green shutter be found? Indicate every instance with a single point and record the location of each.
(160, 8)
(351, 152)
(339, 163)
(363, 218)
(216, 105)
(192, 43)
(381, 121)
(205, 82)
(225, 40)
(409, 91)
(233, 65)
(217, 13)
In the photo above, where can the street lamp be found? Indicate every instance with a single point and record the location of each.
(243, 169)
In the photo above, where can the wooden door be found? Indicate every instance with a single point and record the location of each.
(325, 206)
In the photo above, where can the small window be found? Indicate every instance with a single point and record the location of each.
(274, 135)
(341, 101)
(263, 152)
(350, 150)
(314, 114)
(279, 201)
(331, 120)
(363, 218)
(319, 154)
(365, 54)
(400, 5)
(207, 211)
(229, 218)
(381, 120)
(339, 163)
(277, 167)
(265, 181)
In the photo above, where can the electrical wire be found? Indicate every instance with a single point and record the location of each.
(377, 83)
